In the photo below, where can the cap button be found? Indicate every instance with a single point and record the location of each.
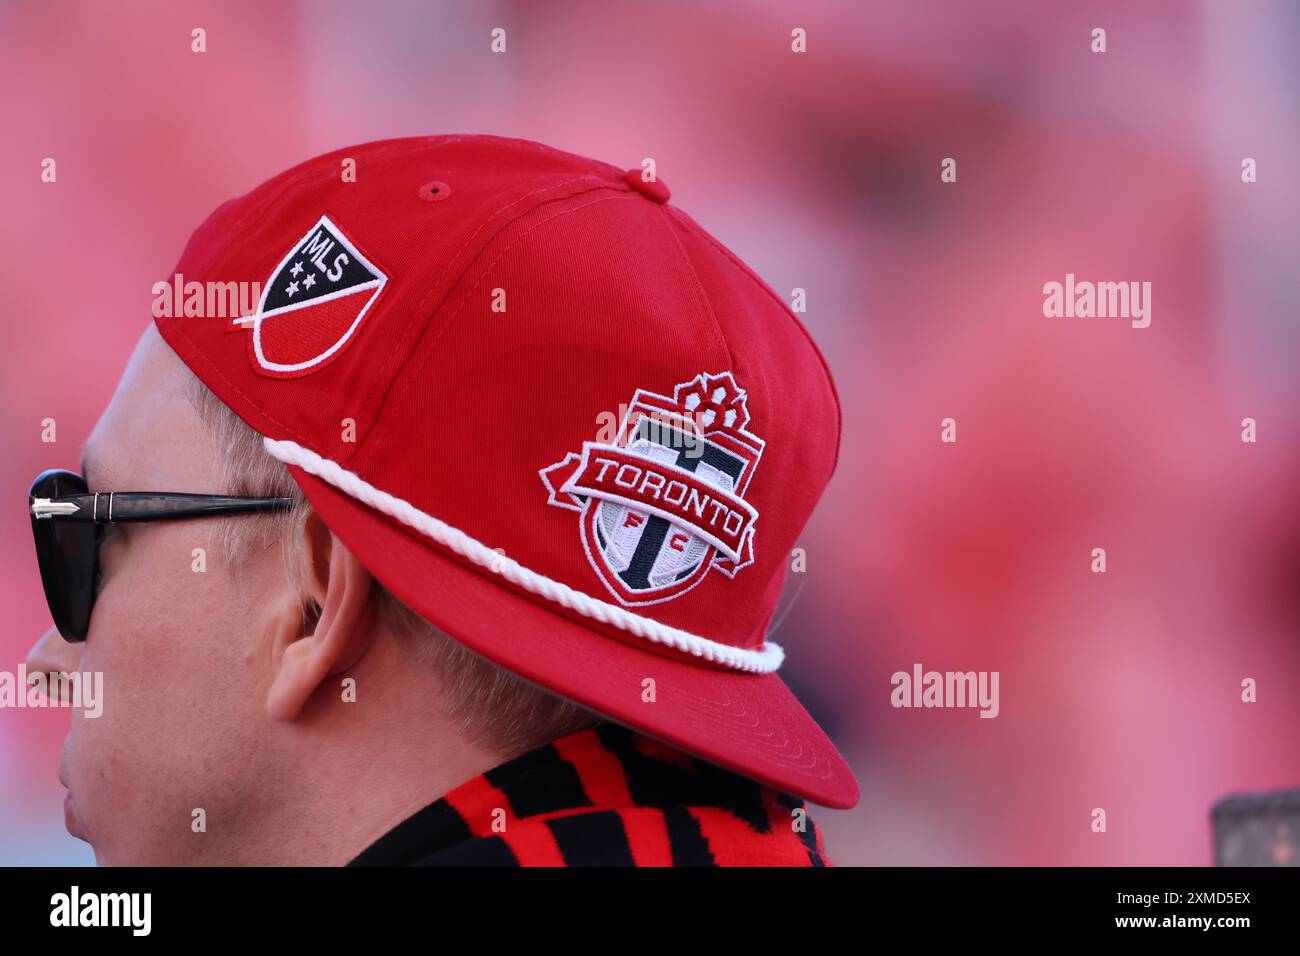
(656, 190)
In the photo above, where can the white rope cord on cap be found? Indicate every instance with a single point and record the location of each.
(763, 661)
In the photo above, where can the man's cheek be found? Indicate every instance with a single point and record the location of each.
(139, 610)
(121, 667)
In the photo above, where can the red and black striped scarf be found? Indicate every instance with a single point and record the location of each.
(605, 796)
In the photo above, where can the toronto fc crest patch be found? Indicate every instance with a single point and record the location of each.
(663, 503)
(312, 303)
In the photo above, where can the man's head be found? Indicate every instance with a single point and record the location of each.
(224, 644)
(549, 412)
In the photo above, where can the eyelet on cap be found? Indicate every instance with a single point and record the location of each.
(435, 191)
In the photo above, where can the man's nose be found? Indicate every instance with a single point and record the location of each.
(52, 654)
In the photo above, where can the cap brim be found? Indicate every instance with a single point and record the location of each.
(749, 723)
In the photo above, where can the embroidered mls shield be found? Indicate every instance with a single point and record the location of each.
(313, 303)
(663, 503)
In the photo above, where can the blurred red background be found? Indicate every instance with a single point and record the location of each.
(1118, 690)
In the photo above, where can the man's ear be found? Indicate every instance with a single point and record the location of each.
(305, 655)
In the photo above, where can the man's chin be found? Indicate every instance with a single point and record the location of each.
(70, 819)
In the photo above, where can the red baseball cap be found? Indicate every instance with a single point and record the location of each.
(549, 412)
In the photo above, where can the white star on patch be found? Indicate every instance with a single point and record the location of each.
(297, 267)
(291, 288)
(308, 282)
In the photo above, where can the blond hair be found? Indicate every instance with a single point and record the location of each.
(491, 706)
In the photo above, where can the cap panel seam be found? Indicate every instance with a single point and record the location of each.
(421, 311)
(409, 377)
(748, 273)
(699, 287)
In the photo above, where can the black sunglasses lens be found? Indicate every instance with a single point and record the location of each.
(67, 552)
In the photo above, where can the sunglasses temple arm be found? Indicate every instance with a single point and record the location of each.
(146, 506)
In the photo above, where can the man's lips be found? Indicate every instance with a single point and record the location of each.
(70, 821)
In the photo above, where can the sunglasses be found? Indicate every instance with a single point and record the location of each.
(68, 523)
